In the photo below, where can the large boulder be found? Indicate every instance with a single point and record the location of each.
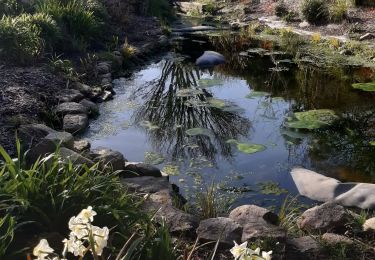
(326, 217)
(40, 150)
(31, 134)
(71, 108)
(210, 59)
(108, 158)
(334, 239)
(225, 229)
(257, 223)
(81, 145)
(141, 169)
(147, 184)
(75, 158)
(75, 123)
(304, 247)
(61, 138)
(322, 188)
(369, 225)
(92, 108)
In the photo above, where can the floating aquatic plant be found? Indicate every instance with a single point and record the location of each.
(217, 103)
(368, 87)
(154, 158)
(189, 92)
(171, 169)
(312, 119)
(198, 131)
(149, 125)
(246, 147)
(255, 94)
(207, 83)
(270, 187)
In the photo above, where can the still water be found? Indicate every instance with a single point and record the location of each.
(196, 124)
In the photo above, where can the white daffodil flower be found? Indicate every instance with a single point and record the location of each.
(87, 215)
(80, 230)
(267, 255)
(42, 250)
(74, 245)
(238, 250)
(100, 238)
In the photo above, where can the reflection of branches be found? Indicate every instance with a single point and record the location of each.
(171, 113)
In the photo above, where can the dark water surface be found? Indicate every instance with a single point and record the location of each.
(247, 100)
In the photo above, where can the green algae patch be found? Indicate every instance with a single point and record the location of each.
(246, 147)
(208, 83)
(368, 87)
(270, 187)
(198, 131)
(171, 169)
(154, 158)
(257, 94)
(313, 119)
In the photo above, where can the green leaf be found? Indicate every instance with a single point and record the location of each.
(372, 143)
(189, 92)
(250, 148)
(313, 119)
(207, 83)
(198, 131)
(368, 87)
(153, 158)
(256, 94)
(214, 102)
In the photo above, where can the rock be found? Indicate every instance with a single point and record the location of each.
(107, 95)
(61, 138)
(224, 228)
(75, 123)
(103, 67)
(321, 188)
(71, 108)
(108, 158)
(69, 95)
(369, 225)
(31, 134)
(304, 24)
(83, 88)
(189, 7)
(258, 223)
(40, 150)
(334, 239)
(118, 58)
(141, 169)
(323, 218)
(147, 184)
(91, 107)
(367, 36)
(210, 59)
(163, 41)
(95, 93)
(75, 158)
(304, 244)
(106, 76)
(251, 213)
(163, 197)
(81, 145)
(200, 28)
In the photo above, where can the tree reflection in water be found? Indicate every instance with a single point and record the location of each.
(173, 115)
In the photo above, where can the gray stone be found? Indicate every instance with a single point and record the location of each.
(32, 134)
(141, 169)
(163, 197)
(106, 76)
(61, 138)
(81, 145)
(369, 225)
(75, 123)
(322, 188)
(210, 59)
(147, 184)
(334, 239)
(200, 28)
(71, 108)
(367, 36)
(75, 158)
(304, 24)
(258, 223)
(323, 218)
(304, 244)
(95, 93)
(91, 107)
(103, 67)
(40, 150)
(225, 229)
(69, 95)
(118, 58)
(83, 88)
(108, 158)
(190, 7)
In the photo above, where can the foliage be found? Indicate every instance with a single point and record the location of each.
(50, 191)
(19, 39)
(128, 50)
(312, 119)
(77, 22)
(7, 227)
(369, 87)
(338, 10)
(9, 7)
(160, 8)
(64, 67)
(315, 11)
(281, 9)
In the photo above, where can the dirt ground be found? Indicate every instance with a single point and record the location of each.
(26, 95)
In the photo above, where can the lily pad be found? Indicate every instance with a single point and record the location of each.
(232, 141)
(189, 92)
(198, 131)
(250, 148)
(153, 158)
(171, 169)
(271, 188)
(313, 119)
(255, 94)
(149, 125)
(372, 143)
(207, 83)
(217, 103)
(368, 87)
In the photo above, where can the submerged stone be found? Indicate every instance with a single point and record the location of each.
(210, 59)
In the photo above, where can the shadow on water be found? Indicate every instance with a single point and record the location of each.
(174, 114)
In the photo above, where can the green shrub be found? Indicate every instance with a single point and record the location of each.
(338, 10)
(160, 8)
(78, 25)
(9, 7)
(281, 9)
(315, 11)
(19, 39)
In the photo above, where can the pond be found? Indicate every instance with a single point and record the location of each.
(227, 125)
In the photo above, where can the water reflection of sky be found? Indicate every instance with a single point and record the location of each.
(251, 120)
